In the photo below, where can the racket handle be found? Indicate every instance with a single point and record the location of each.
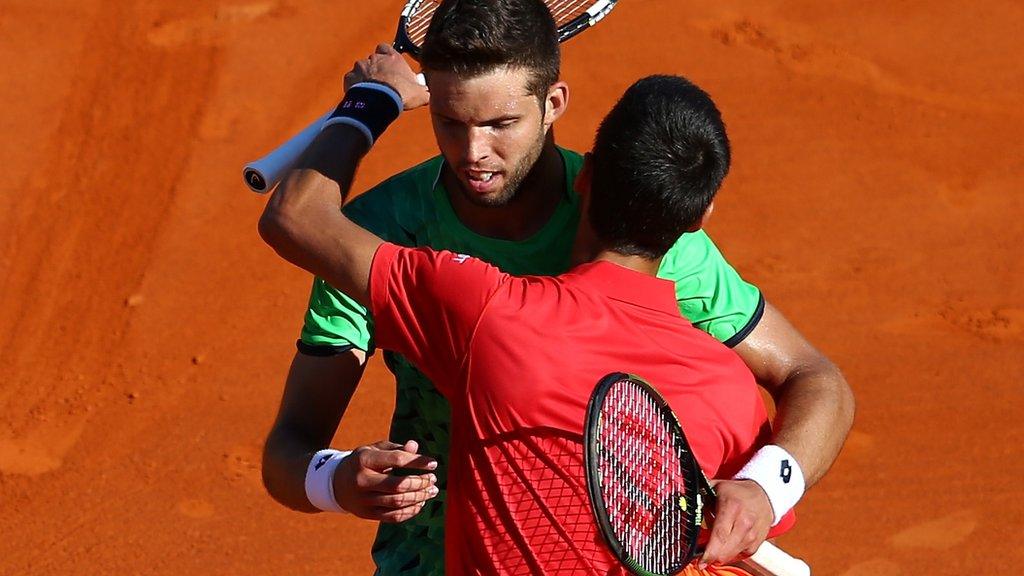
(262, 175)
(770, 560)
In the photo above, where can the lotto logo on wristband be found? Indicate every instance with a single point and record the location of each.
(786, 472)
(323, 460)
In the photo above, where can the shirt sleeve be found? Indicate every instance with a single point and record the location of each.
(334, 323)
(710, 293)
(426, 305)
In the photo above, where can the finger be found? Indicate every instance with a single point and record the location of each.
(403, 500)
(384, 48)
(392, 484)
(385, 445)
(721, 547)
(382, 460)
(411, 446)
(400, 515)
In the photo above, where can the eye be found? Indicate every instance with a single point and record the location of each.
(506, 123)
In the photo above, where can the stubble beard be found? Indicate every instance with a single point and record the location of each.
(513, 182)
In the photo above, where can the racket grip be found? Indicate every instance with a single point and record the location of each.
(262, 175)
(770, 560)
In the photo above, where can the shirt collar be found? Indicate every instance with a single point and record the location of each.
(626, 285)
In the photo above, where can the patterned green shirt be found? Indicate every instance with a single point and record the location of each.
(412, 209)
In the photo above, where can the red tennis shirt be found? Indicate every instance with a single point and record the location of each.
(517, 359)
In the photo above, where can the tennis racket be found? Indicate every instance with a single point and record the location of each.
(571, 17)
(646, 488)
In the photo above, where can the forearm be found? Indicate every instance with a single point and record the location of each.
(316, 396)
(303, 221)
(815, 409)
(814, 404)
(285, 459)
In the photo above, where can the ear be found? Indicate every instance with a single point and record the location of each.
(704, 218)
(555, 103)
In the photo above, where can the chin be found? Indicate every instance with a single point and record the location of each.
(496, 199)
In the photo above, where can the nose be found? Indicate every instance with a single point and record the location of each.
(478, 147)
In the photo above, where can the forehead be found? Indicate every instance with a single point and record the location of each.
(503, 90)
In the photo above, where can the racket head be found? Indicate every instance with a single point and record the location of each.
(571, 18)
(646, 487)
(413, 24)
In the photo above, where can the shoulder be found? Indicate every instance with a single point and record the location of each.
(692, 249)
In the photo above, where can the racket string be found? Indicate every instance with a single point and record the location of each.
(419, 22)
(563, 12)
(641, 479)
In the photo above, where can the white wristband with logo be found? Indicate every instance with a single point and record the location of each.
(778, 473)
(320, 479)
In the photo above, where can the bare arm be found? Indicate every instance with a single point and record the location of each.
(316, 395)
(815, 405)
(303, 222)
(815, 408)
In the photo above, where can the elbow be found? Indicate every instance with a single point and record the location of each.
(274, 228)
(269, 472)
(849, 401)
(843, 399)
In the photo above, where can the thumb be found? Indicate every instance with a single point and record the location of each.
(385, 49)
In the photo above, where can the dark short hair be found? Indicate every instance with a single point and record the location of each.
(473, 37)
(659, 158)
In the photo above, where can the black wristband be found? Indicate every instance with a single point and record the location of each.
(370, 107)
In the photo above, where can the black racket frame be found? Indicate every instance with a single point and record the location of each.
(693, 475)
(566, 31)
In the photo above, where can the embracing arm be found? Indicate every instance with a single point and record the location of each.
(815, 409)
(304, 224)
(302, 221)
(815, 405)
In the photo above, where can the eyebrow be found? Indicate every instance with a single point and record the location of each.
(495, 120)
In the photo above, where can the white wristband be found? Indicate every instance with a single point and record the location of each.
(779, 475)
(320, 479)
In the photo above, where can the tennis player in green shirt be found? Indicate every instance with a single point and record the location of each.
(501, 190)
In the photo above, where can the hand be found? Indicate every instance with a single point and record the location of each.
(741, 521)
(363, 486)
(388, 66)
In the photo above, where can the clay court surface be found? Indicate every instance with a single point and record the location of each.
(145, 330)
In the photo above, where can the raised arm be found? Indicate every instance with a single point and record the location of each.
(302, 221)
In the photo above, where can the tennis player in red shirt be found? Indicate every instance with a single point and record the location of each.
(517, 357)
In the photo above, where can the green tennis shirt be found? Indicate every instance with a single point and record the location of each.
(412, 209)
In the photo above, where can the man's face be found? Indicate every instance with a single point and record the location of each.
(490, 130)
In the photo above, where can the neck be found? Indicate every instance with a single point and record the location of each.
(523, 216)
(637, 263)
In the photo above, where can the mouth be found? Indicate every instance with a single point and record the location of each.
(482, 181)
